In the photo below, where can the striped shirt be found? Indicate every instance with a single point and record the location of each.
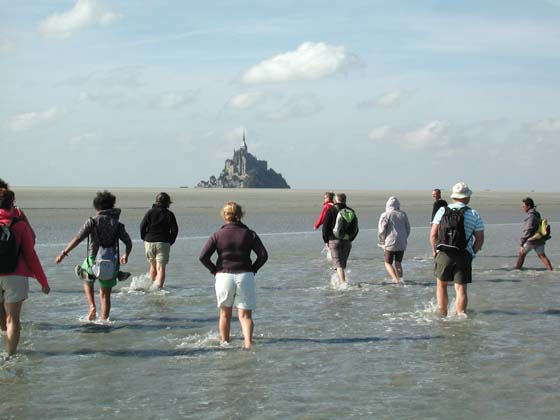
(473, 222)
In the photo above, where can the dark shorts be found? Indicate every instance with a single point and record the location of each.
(340, 250)
(393, 255)
(455, 267)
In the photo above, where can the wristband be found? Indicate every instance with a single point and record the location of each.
(63, 252)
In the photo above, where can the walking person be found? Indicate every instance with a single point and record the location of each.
(234, 271)
(393, 230)
(328, 202)
(18, 262)
(527, 243)
(102, 262)
(340, 228)
(20, 215)
(438, 202)
(159, 230)
(456, 236)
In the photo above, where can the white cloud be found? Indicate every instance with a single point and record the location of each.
(246, 100)
(380, 133)
(297, 106)
(84, 139)
(84, 13)
(6, 46)
(387, 100)
(310, 61)
(431, 134)
(174, 100)
(549, 125)
(30, 120)
(391, 98)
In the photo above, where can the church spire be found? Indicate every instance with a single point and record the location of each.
(244, 143)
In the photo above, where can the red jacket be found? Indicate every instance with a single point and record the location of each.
(28, 263)
(326, 207)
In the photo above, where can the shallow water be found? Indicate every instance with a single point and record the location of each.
(370, 350)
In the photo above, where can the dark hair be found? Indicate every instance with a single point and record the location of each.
(104, 200)
(4, 184)
(163, 199)
(7, 198)
(437, 190)
(529, 202)
(341, 198)
(329, 195)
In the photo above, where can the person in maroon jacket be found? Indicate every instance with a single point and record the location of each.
(234, 271)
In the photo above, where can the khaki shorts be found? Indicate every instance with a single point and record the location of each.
(157, 252)
(13, 289)
(529, 246)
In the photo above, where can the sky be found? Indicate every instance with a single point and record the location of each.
(333, 94)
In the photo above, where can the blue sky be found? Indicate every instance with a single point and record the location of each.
(337, 94)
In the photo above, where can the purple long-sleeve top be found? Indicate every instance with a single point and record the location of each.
(233, 243)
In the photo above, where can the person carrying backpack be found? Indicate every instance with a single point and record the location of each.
(18, 262)
(527, 243)
(456, 236)
(102, 262)
(340, 228)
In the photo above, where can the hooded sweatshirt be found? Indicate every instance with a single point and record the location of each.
(28, 262)
(393, 228)
(104, 229)
(530, 227)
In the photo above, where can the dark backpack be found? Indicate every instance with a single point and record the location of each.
(346, 224)
(9, 253)
(451, 230)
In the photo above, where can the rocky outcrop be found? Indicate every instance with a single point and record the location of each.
(244, 170)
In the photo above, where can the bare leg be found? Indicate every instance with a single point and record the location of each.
(88, 290)
(2, 317)
(105, 297)
(442, 298)
(153, 271)
(247, 326)
(390, 269)
(398, 268)
(546, 262)
(341, 274)
(461, 297)
(225, 323)
(13, 311)
(520, 261)
(160, 277)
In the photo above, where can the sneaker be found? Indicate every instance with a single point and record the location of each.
(123, 275)
(79, 271)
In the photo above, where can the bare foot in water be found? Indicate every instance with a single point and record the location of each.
(92, 313)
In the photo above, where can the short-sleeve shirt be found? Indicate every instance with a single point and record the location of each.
(472, 221)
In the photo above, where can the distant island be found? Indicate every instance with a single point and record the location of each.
(245, 171)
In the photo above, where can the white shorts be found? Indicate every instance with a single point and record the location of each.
(13, 289)
(238, 288)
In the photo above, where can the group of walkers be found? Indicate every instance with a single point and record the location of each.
(234, 271)
(456, 235)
